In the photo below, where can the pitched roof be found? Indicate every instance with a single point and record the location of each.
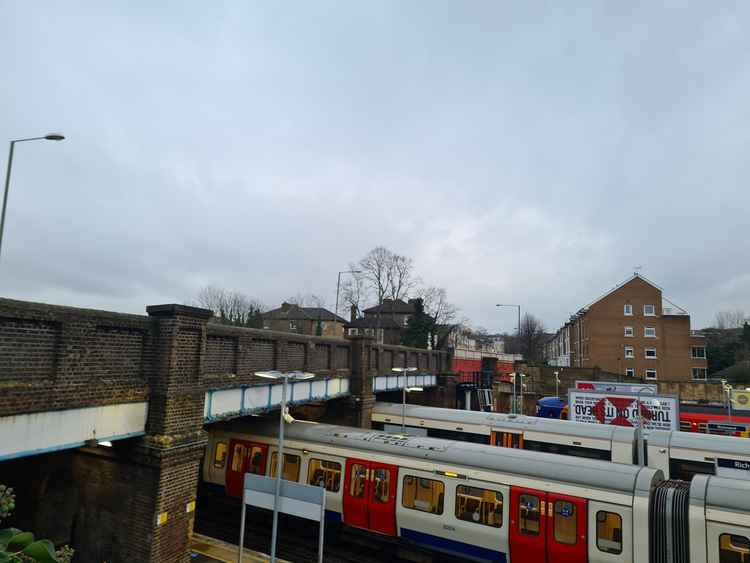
(373, 322)
(288, 311)
(392, 306)
(618, 286)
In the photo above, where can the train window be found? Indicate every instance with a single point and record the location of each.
(423, 494)
(220, 455)
(324, 473)
(608, 532)
(238, 457)
(382, 480)
(528, 515)
(358, 480)
(733, 548)
(256, 461)
(290, 471)
(564, 522)
(479, 505)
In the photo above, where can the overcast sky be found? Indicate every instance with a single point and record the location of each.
(521, 152)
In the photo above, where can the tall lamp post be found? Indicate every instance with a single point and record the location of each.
(519, 318)
(557, 384)
(283, 417)
(406, 389)
(49, 137)
(728, 391)
(338, 286)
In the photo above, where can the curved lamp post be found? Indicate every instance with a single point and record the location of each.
(48, 137)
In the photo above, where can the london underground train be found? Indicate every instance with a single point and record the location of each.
(473, 503)
(679, 455)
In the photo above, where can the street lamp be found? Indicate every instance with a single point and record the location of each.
(338, 285)
(641, 453)
(513, 375)
(283, 417)
(557, 384)
(728, 391)
(406, 389)
(49, 137)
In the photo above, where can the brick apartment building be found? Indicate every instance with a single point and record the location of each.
(632, 330)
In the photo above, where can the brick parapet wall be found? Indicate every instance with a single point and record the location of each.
(55, 357)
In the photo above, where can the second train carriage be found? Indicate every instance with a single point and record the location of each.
(466, 500)
(679, 455)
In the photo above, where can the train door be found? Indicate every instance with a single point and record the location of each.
(381, 501)
(527, 525)
(244, 457)
(370, 496)
(566, 529)
(356, 493)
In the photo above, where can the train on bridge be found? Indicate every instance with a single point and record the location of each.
(679, 455)
(471, 502)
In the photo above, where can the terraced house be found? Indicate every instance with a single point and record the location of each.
(632, 330)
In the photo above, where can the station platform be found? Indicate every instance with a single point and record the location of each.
(204, 549)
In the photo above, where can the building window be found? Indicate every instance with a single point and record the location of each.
(609, 532)
(352, 332)
(482, 506)
(630, 372)
(649, 332)
(650, 374)
(628, 331)
(267, 325)
(629, 353)
(406, 321)
(423, 494)
(699, 373)
(649, 310)
(650, 353)
(699, 352)
(628, 311)
(292, 325)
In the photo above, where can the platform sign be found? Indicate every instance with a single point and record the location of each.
(733, 468)
(740, 400)
(305, 501)
(659, 412)
(615, 387)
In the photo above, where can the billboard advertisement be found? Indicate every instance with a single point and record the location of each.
(615, 387)
(659, 412)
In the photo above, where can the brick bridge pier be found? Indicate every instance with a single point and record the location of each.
(144, 383)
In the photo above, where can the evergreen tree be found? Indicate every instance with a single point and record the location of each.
(418, 330)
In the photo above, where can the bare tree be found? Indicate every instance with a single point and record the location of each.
(436, 305)
(307, 300)
(532, 338)
(388, 275)
(354, 293)
(231, 307)
(730, 319)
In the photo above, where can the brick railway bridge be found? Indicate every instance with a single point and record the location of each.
(72, 378)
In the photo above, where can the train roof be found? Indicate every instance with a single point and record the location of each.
(694, 441)
(722, 492)
(582, 472)
(517, 422)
